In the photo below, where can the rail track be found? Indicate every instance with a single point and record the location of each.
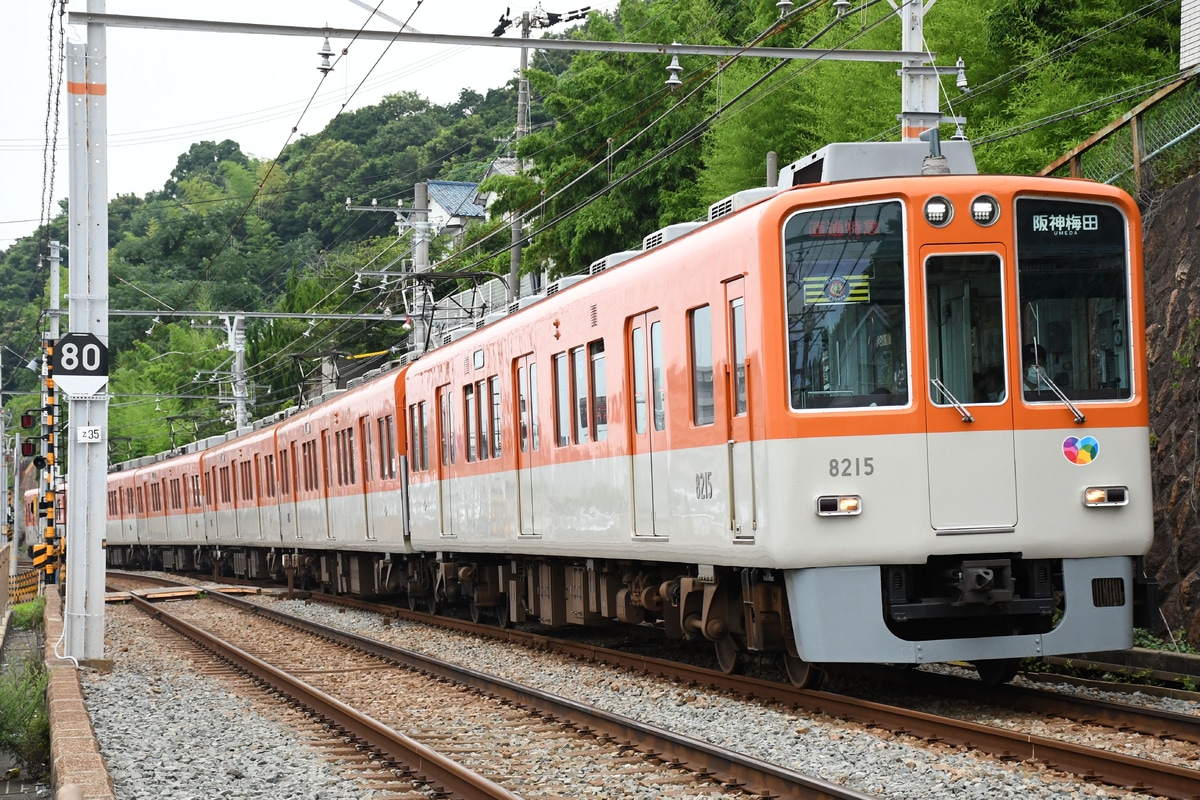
(1091, 763)
(609, 747)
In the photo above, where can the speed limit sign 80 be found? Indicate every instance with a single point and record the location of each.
(80, 364)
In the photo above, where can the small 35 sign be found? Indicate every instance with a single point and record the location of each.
(80, 364)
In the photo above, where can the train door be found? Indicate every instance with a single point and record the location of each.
(366, 459)
(742, 498)
(648, 403)
(326, 484)
(969, 419)
(446, 461)
(528, 443)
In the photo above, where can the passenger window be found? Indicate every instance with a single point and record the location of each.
(700, 323)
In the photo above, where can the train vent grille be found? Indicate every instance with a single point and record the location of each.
(1108, 592)
(736, 202)
(669, 233)
(595, 320)
(611, 260)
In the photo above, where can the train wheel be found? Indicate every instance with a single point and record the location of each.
(431, 603)
(803, 674)
(503, 619)
(413, 601)
(476, 611)
(996, 671)
(729, 656)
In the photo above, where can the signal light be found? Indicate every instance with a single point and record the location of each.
(28, 420)
(26, 449)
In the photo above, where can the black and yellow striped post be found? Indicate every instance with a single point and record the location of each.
(46, 502)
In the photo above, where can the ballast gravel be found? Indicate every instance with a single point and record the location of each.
(166, 733)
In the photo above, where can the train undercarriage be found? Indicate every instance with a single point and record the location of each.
(742, 612)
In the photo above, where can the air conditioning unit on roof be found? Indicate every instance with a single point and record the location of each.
(563, 283)
(669, 233)
(611, 260)
(524, 302)
(738, 201)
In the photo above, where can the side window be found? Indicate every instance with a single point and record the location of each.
(579, 383)
(494, 388)
(523, 408)
(533, 405)
(469, 420)
(447, 427)
(389, 434)
(638, 344)
(414, 437)
(368, 450)
(482, 410)
(599, 391)
(658, 376)
(737, 319)
(424, 414)
(562, 401)
(700, 324)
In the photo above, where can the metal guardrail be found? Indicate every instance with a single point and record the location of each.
(1121, 153)
(22, 587)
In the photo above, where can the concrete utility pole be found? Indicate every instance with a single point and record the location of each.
(88, 310)
(514, 255)
(9, 532)
(420, 249)
(236, 328)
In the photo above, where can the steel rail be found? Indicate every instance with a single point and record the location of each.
(1093, 764)
(732, 769)
(428, 765)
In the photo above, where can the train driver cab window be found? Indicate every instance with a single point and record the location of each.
(1073, 289)
(845, 294)
(965, 326)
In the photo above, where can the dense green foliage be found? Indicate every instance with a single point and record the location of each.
(611, 156)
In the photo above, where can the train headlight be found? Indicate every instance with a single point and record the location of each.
(938, 211)
(1094, 496)
(839, 505)
(985, 209)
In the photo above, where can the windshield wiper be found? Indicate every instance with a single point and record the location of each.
(954, 401)
(1045, 376)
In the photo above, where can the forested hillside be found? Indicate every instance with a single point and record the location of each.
(612, 155)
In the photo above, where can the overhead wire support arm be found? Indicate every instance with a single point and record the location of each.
(650, 48)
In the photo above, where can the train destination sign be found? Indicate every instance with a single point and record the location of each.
(80, 364)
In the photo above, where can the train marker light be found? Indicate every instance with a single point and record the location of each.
(985, 209)
(1095, 496)
(839, 505)
(938, 211)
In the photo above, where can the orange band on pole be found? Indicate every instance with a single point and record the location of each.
(86, 88)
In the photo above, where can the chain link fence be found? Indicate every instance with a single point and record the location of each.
(1130, 152)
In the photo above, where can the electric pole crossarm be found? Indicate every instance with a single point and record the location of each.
(651, 48)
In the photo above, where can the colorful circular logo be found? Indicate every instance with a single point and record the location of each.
(837, 289)
(1081, 451)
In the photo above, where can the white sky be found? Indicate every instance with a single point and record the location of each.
(168, 89)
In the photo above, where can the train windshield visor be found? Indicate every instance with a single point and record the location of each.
(1073, 285)
(846, 309)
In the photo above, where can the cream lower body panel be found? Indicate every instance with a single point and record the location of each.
(837, 617)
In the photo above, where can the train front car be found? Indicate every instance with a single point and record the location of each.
(956, 462)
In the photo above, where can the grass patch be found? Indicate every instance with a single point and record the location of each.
(24, 717)
(28, 616)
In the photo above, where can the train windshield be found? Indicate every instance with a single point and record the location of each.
(846, 319)
(1073, 284)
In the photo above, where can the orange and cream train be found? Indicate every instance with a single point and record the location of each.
(870, 415)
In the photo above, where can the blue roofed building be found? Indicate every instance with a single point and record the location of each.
(452, 205)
